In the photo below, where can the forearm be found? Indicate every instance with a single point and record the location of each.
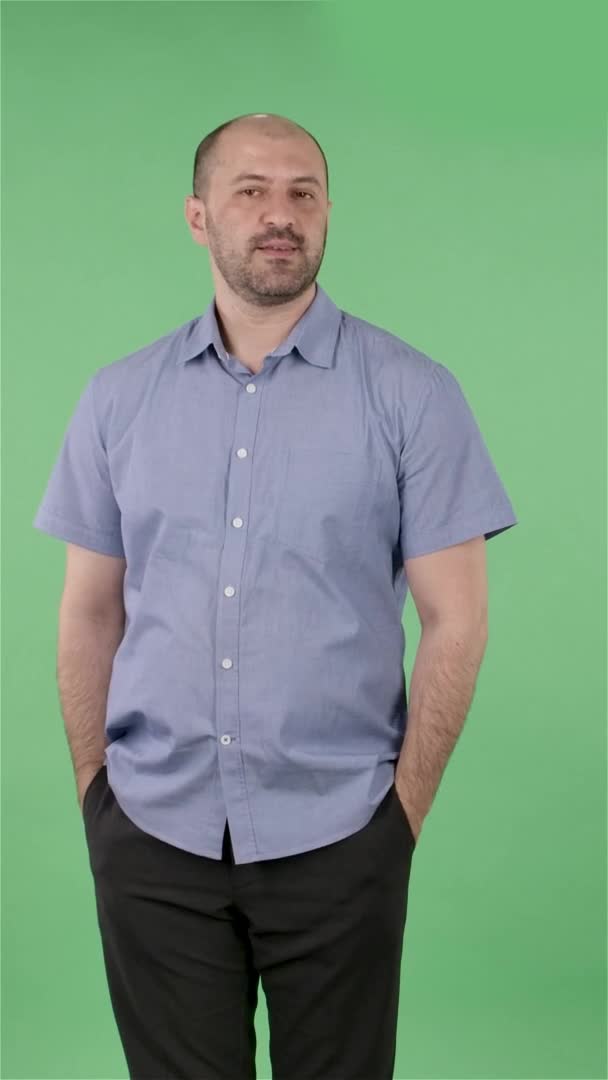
(443, 682)
(86, 650)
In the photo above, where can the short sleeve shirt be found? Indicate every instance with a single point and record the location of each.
(265, 520)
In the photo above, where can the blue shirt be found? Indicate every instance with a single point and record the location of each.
(265, 519)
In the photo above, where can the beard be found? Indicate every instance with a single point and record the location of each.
(258, 279)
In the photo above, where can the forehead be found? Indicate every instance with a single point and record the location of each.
(279, 157)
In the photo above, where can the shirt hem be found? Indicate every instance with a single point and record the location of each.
(256, 855)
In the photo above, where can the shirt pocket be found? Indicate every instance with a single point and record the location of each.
(177, 541)
(174, 542)
(325, 501)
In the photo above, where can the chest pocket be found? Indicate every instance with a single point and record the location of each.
(325, 502)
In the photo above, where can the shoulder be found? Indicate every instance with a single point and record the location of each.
(399, 374)
(120, 386)
(388, 353)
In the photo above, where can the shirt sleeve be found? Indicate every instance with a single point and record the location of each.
(449, 489)
(78, 504)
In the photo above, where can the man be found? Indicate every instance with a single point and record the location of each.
(245, 502)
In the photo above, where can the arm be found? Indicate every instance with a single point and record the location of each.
(449, 588)
(91, 626)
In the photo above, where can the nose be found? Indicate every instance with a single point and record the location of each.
(278, 213)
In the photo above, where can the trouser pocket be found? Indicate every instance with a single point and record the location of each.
(402, 813)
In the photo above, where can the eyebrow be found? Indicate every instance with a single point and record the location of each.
(257, 176)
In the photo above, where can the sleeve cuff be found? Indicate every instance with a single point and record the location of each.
(105, 542)
(458, 533)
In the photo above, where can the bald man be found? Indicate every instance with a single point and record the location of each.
(245, 503)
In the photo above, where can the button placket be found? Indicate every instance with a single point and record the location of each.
(230, 571)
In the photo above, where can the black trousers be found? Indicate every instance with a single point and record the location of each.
(186, 938)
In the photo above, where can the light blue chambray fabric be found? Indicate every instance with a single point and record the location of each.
(265, 520)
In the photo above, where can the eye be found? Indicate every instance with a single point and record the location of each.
(244, 190)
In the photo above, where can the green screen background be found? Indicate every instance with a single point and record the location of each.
(467, 153)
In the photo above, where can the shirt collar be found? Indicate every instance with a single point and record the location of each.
(314, 335)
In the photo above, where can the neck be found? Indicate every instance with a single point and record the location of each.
(253, 332)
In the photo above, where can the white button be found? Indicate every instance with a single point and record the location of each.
(225, 740)
(251, 388)
(242, 452)
(229, 590)
(226, 663)
(237, 522)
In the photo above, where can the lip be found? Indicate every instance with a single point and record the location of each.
(277, 253)
(280, 251)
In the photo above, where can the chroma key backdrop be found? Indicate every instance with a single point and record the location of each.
(466, 146)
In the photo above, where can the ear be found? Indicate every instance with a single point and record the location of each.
(194, 213)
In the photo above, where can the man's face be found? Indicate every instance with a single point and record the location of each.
(242, 214)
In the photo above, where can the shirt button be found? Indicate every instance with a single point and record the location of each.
(226, 662)
(251, 388)
(225, 740)
(237, 522)
(242, 452)
(229, 590)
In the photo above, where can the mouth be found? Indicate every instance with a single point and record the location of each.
(280, 251)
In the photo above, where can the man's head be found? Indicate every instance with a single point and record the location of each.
(232, 213)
